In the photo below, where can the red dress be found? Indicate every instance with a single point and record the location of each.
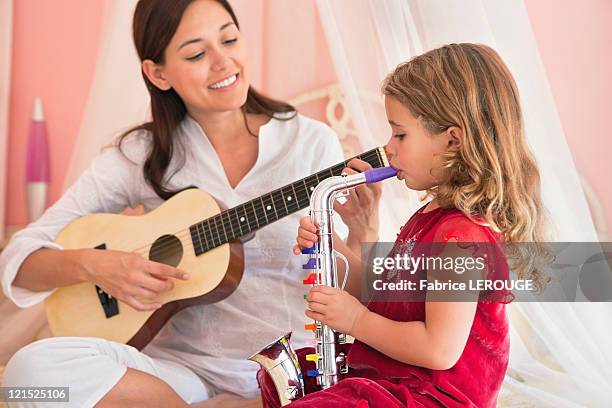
(375, 380)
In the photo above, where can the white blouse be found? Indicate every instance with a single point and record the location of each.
(212, 340)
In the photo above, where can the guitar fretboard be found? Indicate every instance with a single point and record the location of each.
(261, 211)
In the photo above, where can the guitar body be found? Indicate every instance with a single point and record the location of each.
(161, 235)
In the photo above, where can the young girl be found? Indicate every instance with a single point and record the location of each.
(457, 134)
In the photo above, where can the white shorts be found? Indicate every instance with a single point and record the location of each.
(90, 367)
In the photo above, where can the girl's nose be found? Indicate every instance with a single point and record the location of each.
(390, 149)
(390, 146)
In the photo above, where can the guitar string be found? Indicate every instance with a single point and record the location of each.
(185, 236)
(186, 232)
(233, 217)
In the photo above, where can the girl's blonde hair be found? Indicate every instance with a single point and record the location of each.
(493, 176)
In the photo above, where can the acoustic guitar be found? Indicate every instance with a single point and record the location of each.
(189, 231)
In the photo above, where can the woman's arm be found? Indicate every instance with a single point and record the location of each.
(360, 214)
(46, 269)
(32, 263)
(360, 211)
(356, 266)
(127, 276)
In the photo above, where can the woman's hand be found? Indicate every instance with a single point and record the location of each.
(129, 277)
(335, 308)
(360, 211)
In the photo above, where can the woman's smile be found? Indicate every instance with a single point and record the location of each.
(225, 84)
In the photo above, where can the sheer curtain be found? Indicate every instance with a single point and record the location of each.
(560, 353)
(118, 98)
(361, 62)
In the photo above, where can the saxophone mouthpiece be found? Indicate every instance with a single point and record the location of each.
(379, 174)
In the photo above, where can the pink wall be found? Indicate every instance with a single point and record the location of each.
(52, 48)
(54, 53)
(574, 42)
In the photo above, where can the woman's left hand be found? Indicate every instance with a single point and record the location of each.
(360, 211)
(335, 308)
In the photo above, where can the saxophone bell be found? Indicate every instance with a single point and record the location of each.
(282, 365)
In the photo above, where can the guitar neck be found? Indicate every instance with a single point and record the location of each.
(261, 211)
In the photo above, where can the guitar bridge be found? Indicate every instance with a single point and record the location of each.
(109, 303)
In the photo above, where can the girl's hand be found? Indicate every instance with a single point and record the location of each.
(129, 277)
(360, 211)
(307, 235)
(335, 308)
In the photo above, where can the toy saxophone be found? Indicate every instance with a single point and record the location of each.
(278, 358)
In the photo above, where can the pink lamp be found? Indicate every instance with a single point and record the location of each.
(37, 163)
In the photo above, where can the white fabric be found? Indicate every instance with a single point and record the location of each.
(117, 96)
(361, 63)
(368, 43)
(90, 367)
(214, 340)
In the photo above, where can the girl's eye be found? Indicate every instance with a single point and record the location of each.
(400, 136)
(230, 41)
(196, 57)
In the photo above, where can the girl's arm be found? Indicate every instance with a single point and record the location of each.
(436, 343)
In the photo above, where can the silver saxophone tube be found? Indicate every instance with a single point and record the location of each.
(278, 358)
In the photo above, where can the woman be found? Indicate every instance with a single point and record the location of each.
(211, 130)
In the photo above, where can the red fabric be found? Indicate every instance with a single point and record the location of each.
(375, 380)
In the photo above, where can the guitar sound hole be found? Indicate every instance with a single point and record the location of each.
(167, 250)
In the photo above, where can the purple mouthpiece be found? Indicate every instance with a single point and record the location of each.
(379, 174)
